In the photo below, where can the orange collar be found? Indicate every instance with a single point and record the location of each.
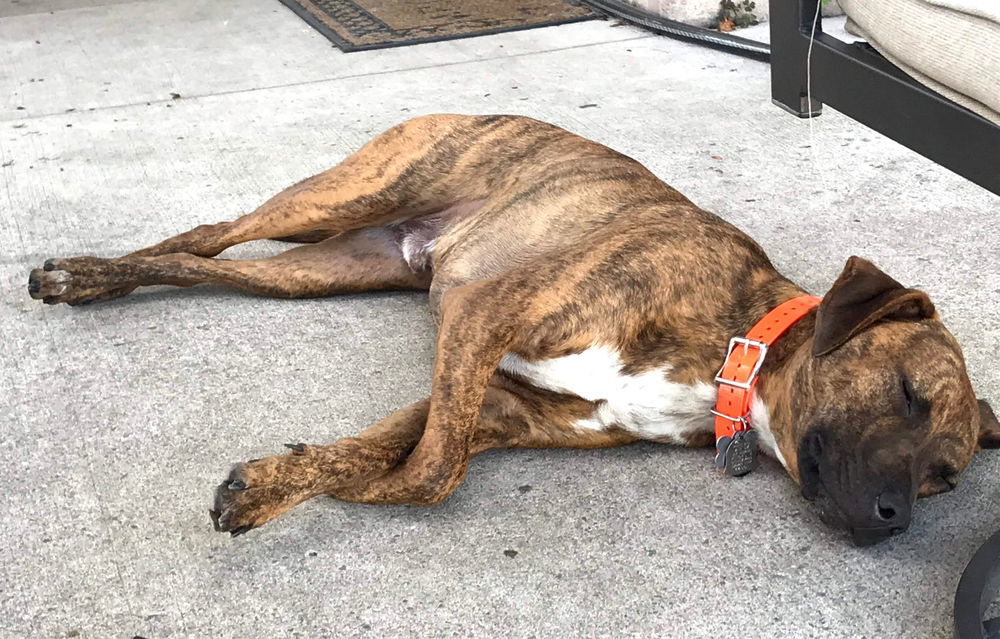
(735, 439)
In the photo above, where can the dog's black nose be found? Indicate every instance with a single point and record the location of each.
(34, 285)
(893, 508)
(890, 515)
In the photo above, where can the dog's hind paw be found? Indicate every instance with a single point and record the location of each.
(74, 281)
(48, 284)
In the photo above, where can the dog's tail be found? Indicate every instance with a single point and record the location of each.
(309, 237)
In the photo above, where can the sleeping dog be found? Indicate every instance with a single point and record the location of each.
(582, 303)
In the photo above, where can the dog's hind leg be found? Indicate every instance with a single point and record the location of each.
(402, 173)
(355, 261)
(513, 415)
(419, 167)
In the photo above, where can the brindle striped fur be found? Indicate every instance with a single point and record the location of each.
(548, 243)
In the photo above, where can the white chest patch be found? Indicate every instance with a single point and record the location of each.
(760, 419)
(647, 405)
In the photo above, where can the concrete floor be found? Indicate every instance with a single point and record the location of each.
(119, 419)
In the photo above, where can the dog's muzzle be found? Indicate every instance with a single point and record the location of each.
(872, 509)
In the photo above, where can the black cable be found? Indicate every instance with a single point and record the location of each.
(715, 39)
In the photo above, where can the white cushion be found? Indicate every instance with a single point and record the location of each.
(989, 9)
(951, 46)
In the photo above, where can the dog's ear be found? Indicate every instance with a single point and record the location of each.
(861, 296)
(989, 427)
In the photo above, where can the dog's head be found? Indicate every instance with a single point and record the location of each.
(880, 408)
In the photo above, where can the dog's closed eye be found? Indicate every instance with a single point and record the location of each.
(908, 395)
(913, 405)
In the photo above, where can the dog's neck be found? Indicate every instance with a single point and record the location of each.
(781, 376)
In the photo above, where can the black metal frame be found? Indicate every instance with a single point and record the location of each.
(860, 83)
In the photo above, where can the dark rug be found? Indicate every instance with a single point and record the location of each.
(356, 25)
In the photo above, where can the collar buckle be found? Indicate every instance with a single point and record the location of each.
(747, 344)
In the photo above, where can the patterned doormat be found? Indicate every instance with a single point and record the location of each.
(357, 25)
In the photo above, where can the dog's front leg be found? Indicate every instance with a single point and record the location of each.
(475, 333)
(379, 467)
(257, 491)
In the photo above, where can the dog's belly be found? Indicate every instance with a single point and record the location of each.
(648, 405)
(417, 237)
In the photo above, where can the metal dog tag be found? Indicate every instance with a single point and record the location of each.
(741, 453)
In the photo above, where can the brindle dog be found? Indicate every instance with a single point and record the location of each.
(581, 302)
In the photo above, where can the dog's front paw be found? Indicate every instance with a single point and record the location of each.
(256, 492)
(75, 280)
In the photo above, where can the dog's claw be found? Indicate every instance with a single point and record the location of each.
(242, 530)
(297, 448)
(214, 514)
(234, 475)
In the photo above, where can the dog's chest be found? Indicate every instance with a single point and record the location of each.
(647, 405)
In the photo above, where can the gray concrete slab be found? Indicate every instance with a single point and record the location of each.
(9, 8)
(119, 419)
(137, 52)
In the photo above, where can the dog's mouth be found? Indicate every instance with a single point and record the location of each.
(862, 535)
(829, 512)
